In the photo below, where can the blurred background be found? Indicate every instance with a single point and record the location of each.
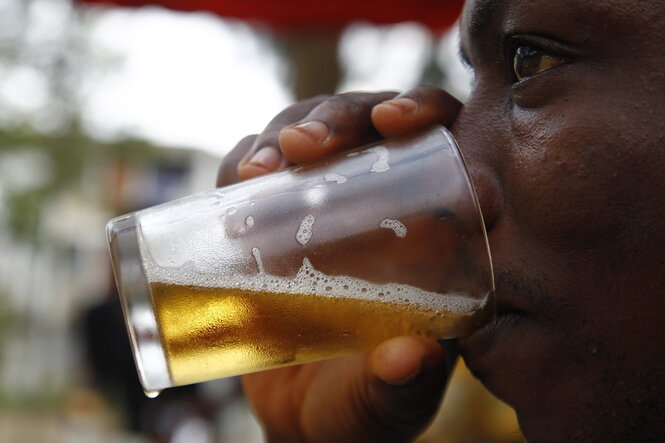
(107, 109)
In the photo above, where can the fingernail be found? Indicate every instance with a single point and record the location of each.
(316, 129)
(405, 104)
(266, 157)
(404, 380)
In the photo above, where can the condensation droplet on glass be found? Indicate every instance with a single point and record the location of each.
(334, 177)
(249, 221)
(395, 225)
(381, 164)
(304, 234)
(232, 210)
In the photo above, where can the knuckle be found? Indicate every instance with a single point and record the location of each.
(317, 98)
(344, 107)
(270, 134)
(296, 112)
(245, 141)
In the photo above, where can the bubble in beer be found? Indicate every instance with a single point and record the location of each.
(397, 226)
(249, 221)
(334, 177)
(381, 164)
(304, 233)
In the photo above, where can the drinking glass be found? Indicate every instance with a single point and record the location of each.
(313, 262)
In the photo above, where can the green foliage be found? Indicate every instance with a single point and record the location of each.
(42, 402)
(7, 317)
(69, 153)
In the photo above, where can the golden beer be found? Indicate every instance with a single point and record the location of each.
(210, 333)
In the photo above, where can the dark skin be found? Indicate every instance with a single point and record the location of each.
(563, 133)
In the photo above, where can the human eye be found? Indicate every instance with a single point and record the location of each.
(529, 60)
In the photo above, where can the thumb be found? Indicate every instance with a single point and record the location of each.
(406, 377)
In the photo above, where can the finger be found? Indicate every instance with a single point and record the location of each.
(415, 109)
(340, 122)
(227, 173)
(261, 161)
(406, 380)
(389, 395)
(264, 155)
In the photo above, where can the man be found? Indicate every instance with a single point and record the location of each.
(564, 136)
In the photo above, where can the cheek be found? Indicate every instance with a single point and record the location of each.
(563, 180)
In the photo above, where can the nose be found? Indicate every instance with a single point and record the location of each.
(478, 135)
(487, 191)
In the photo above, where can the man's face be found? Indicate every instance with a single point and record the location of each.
(567, 117)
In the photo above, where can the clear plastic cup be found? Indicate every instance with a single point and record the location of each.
(313, 262)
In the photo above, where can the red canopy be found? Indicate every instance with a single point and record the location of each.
(299, 14)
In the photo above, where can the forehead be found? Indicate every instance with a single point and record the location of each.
(480, 13)
(581, 20)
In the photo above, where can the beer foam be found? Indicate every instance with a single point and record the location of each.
(334, 177)
(304, 233)
(381, 164)
(259, 261)
(397, 226)
(310, 281)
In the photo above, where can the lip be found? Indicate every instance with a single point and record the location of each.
(508, 315)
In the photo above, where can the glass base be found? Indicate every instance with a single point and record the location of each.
(124, 245)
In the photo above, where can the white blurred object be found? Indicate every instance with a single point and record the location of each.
(193, 430)
(384, 57)
(24, 169)
(190, 80)
(238, 425)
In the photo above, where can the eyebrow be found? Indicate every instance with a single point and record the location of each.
(480, 18)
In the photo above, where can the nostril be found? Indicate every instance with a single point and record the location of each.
(489, 196)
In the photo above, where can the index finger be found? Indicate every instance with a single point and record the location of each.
(415, 109)
(340, 122)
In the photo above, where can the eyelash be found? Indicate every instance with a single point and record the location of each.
(550, 47)
(547, 47)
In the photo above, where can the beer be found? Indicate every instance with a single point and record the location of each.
(210, 333)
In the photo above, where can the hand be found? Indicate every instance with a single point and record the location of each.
(390, 393)
(322, 125)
